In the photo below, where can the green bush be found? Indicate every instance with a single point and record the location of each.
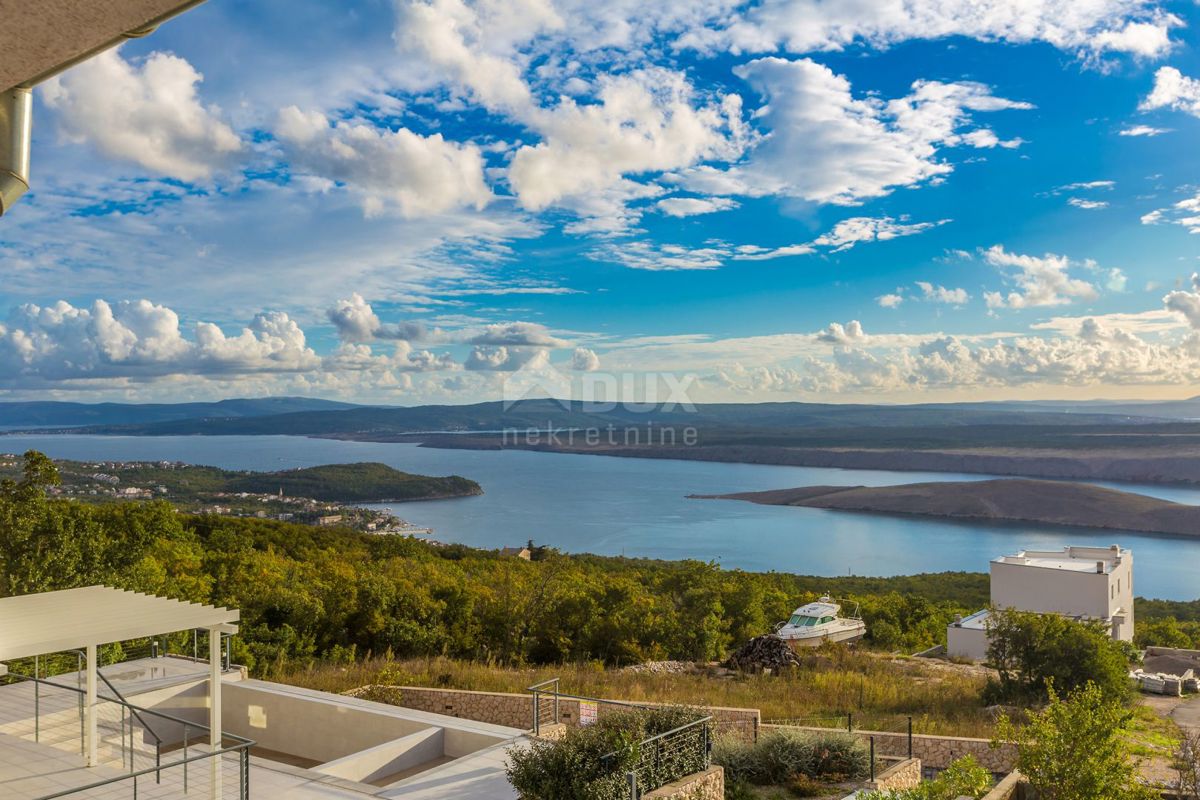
(966, 777)
(1033, 651)
(578, 766)
(782, 756)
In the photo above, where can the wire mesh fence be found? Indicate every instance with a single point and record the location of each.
(669, 756)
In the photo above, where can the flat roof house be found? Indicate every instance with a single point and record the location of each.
(1094, 583)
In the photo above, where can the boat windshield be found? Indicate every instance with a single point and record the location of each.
(802, 621)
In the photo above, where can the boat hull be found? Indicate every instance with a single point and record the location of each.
(846, 636)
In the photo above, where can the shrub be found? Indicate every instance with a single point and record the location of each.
(1030, 651)
(1073, 749)
(966, 777)
(578, 766)
(782, 756)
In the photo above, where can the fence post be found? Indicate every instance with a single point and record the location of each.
(872, 758)
(37, 703)
(633, 787)
(536, 709)
(910, 737)
(850, 722)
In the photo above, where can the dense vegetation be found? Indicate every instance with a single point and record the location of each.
(592, 763)
(1035, 654)
(351, 483)
(363, 482)
(787, 757)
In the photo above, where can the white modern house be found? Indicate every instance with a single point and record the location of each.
(1087, 583)
(82, 718)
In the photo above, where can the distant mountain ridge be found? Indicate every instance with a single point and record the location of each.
(52, 414)
(324, 418)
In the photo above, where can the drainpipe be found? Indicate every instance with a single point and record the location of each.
(16, 127)
(16, 112)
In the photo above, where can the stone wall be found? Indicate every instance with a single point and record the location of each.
(938, 752)
(516, 710)
(1008, 789)
(707, 785)
(903, 775)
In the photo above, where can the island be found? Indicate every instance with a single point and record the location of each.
(324, 495)
(1005, 499)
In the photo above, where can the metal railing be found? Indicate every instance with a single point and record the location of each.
(862, 724)
(159, 758)
(666, 757)
(545, 704)
(648, 764)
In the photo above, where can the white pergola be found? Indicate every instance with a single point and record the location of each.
(85, 618)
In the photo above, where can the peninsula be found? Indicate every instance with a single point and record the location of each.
(1015, 500)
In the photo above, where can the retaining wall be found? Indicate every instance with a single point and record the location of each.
(516, 710)
(937, 752)
(1008, 789)
(904, 775)
(707, 785)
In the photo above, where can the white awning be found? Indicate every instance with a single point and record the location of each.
(50, 622)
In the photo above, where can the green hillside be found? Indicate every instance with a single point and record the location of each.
(360, 483)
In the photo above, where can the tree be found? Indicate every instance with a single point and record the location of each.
(1031, 651)
(1073, 750)
(1162, 633)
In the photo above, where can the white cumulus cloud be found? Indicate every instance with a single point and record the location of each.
(940, 294)
(418, 175)
(148, 114)
(1041, 281)
(1090, 28)
(1173, 89)
(585, 360)
(825, 145)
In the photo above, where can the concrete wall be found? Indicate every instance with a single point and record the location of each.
(904, 775)
(516, 710)
(388, 758)
(707, 785)
(1099, 595)
(300, 726)
(937, 752)
(969, 643)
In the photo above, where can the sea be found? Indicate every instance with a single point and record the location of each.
(640, 508)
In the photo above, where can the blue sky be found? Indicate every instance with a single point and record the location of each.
(430, 200)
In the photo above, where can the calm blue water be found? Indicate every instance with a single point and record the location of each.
(638, 507)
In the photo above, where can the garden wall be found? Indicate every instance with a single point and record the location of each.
(516, 710)
(707, 785)
(938, 752)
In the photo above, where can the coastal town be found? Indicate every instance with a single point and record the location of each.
(188, 488)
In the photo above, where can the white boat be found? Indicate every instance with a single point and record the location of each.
(816, 623)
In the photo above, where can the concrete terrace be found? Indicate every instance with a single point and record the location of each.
(312, 745)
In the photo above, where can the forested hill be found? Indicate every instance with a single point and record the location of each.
(374, 423)
(189, 484)
(353, 483)
(46, 414)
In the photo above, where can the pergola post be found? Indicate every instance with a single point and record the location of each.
(93, 743)
(214, 707)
